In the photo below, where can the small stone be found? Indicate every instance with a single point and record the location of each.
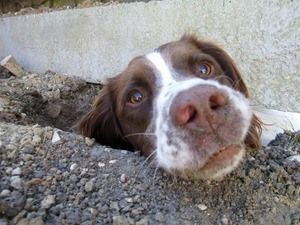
(143, 221)
(55, 138)
(9, 170)
(48, 201)
(11, 64)
(3, 221)
(13, 204)
(29, 203)
(137, 211)
(89, 186)
(224, 221)
(5, 193)
(89, 141)
(73, 178)
(16, 182)
(112, 161)
(16, 172)
(114, 205)
(36, 221)
(36, 140)
(294, 158)
(202, 207)
(100, 164)
(130, 200)
(38, 131)
(73, 166)
(23, 221)
(54, 110)
(120, 220)
(123, 178)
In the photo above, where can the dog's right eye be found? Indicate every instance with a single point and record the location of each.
(135, 97)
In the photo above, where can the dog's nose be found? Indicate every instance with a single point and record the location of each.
(203, 106)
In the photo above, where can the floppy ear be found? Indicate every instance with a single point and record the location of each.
(252, 139)
(101, 122)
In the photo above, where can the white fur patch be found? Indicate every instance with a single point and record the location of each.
(179, 157)
(276, 122)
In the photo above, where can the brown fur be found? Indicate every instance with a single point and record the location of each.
(110, 121)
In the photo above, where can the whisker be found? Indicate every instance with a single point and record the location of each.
(148, 157)
(154, 176)
(135, 134)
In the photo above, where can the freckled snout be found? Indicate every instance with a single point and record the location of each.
(201, 108)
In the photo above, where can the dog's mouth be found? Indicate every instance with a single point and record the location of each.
(218, 165)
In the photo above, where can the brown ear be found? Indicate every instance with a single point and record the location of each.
(101, 123)
(252, 140)
(253, 137)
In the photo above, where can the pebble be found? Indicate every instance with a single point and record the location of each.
(129, 200)
(3, 221)
(16, 182)
(38, 131)
(54, 109)
(4, 193)
(100, 164)
(120, 220)
(73, 166)
(294, 158)
(33, 221)
(16, 172)
(224, 221)
(143, 221)
(55, 138)
(123, 178)
(112, 161)
(36, 221)
(89, 141)
(89, 186)
(10, 63)
(36, 140)
(48, 201)
(202, 207)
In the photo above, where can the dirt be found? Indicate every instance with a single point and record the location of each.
(25, 7)
(51, 175)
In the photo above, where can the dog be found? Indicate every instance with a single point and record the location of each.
(185, 104)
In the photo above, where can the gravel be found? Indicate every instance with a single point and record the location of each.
(51, 175)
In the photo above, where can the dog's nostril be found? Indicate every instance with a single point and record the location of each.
(185, 114)
(217, 100)
(192, 114)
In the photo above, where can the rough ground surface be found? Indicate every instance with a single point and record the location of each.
(24, 7)
(50, 176)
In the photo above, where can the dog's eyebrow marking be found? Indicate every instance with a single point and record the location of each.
(160, 64)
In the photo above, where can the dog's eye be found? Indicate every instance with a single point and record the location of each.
(205, 69)
(135, 97)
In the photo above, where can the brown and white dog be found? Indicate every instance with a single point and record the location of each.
(185, 104)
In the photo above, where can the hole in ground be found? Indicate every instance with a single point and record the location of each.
(49, 100)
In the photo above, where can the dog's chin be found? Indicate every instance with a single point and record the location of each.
(217, 166)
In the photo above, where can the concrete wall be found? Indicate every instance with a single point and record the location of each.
(94, 43)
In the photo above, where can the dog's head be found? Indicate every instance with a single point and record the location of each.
(185, 103)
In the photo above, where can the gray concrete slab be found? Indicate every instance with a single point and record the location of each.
(96, 43)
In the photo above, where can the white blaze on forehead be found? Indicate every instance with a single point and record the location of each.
(160, 64)
(177, 154)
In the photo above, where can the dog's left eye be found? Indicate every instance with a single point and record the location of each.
(135, 97)
(205, 69)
